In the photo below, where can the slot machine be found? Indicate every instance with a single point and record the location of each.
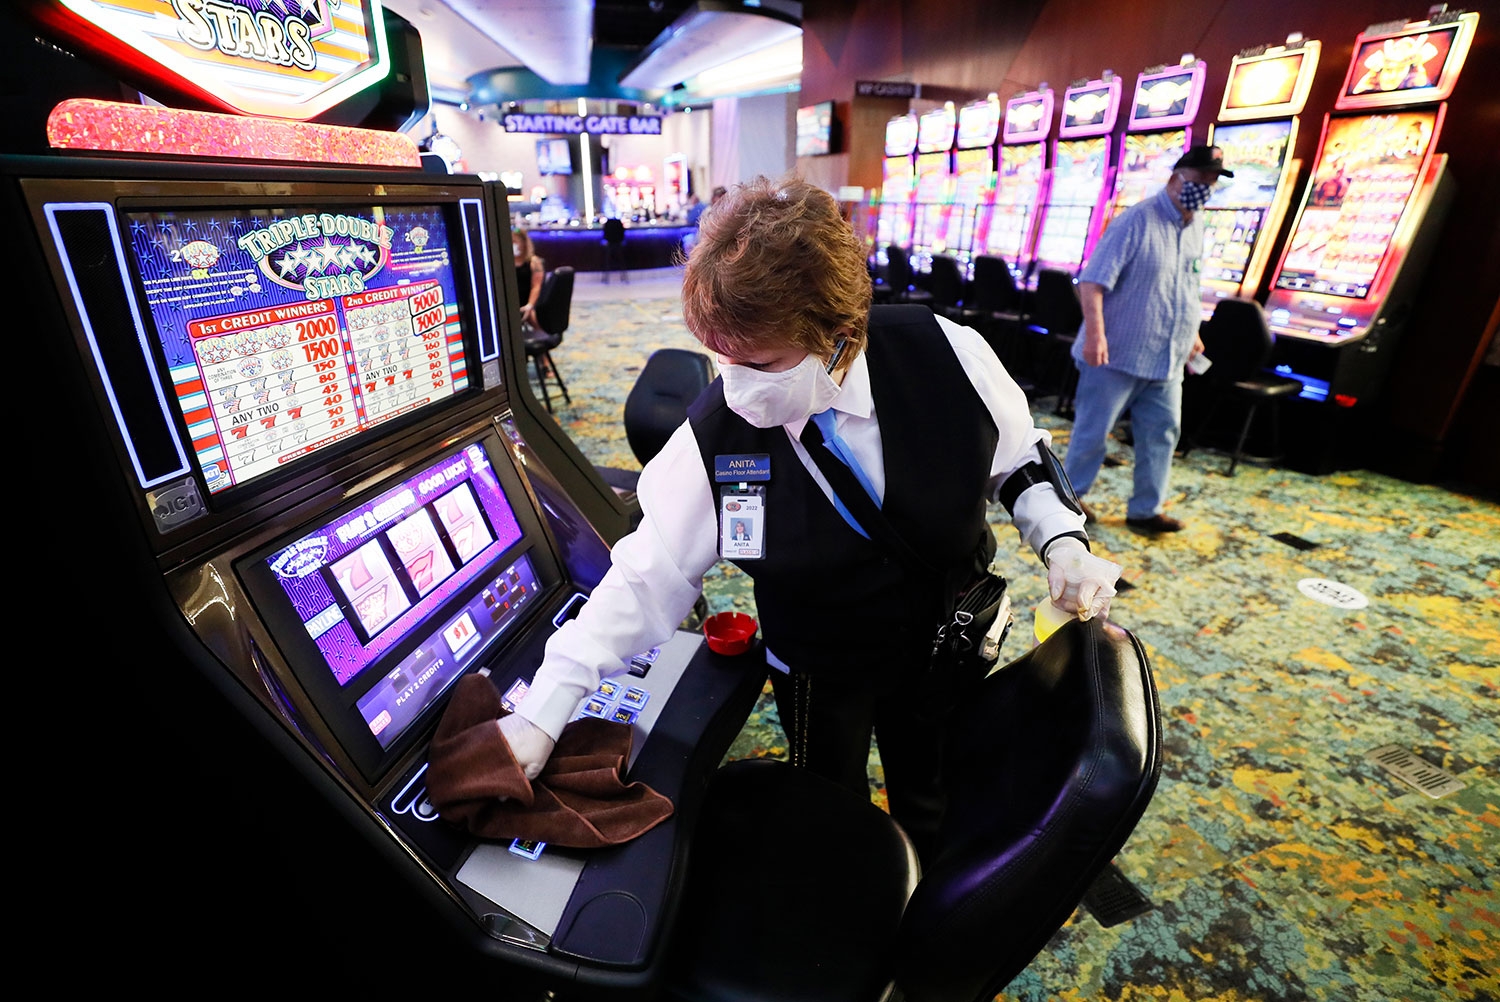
(307, 492)
(897, 185)
(1160, 128)
(1341, 294)
(1257, 130)
(934, 185)
(974, 175)
(1081, 175)
(1008, 225)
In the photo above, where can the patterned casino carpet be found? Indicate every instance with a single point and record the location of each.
(1282, 864)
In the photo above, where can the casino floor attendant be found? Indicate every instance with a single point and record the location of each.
(923, 419)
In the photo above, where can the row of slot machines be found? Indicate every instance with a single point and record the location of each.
(1345, 269)
(297, 487)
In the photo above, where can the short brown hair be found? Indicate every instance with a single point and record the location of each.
(776, 265)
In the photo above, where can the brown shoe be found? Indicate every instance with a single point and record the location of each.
(1088, 513)
(1156, 523)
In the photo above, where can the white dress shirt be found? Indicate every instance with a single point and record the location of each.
(657, 571)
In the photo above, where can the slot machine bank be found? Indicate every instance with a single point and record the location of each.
(292, 487)
(1345, 289)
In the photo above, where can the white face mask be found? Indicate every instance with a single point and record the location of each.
(772, 399)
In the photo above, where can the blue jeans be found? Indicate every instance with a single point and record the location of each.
(1155, 407)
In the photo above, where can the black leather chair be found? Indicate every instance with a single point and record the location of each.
(993, 307)
(1238, 341)
(1056, 315)
(947, 286)
(614, 250)
(553, 306)
(657, 405)
(899, 277)
(801, 891)
(993, 291)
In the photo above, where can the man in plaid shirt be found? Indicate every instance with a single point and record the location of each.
(1140, 296)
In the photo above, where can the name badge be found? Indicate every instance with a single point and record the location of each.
(742, 524)
(741, 469)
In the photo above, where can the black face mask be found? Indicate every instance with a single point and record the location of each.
(1194, 195)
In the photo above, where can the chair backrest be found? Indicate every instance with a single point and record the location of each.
(554, 302)
(1055, 307)
(657, 405)
(1050, 767)
(897, 269)
(614, 231)
(1237, 340)
(947, 281)
(994, 286)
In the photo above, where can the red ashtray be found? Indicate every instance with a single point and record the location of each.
(729, 632)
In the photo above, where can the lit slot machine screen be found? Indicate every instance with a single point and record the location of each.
(399, 595)
(932, 190)
(974, 170)
(1236, 211)
(895, 198)
(1016, 195)
(1366, 173)
(1146, 166)
(289, 329)
(1077, 178)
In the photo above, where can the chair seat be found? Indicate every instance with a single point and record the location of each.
(1000, 316)
(541, 341)
(1268, 385)
(795, 892)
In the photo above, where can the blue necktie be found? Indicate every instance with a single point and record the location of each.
(826, 424)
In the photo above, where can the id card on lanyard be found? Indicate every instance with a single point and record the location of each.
(741, 481)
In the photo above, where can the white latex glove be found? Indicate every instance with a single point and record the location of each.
(1080, 582)
(528, 743)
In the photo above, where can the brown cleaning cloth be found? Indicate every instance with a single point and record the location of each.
(579, 800)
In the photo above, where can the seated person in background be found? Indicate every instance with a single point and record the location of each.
(530, 270)
(934, 428)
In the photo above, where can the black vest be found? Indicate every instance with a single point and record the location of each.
(829, 599)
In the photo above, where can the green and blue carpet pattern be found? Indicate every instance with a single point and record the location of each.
(1282, 864)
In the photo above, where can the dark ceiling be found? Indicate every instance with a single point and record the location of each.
(633, 24)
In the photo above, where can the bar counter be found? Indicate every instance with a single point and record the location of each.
(582, 247)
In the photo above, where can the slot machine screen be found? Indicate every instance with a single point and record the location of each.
(1366, 173)
(901, 135)
(1089, 108)
(1017, 192)
(1412, 60)
(289, 329)
(381, 607)
(934, 174)
(1146, 165)
(1164, 99)
(978, 124)
(1077, 178)
(1236, 211)
(1028, 118)
(1265, 84)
